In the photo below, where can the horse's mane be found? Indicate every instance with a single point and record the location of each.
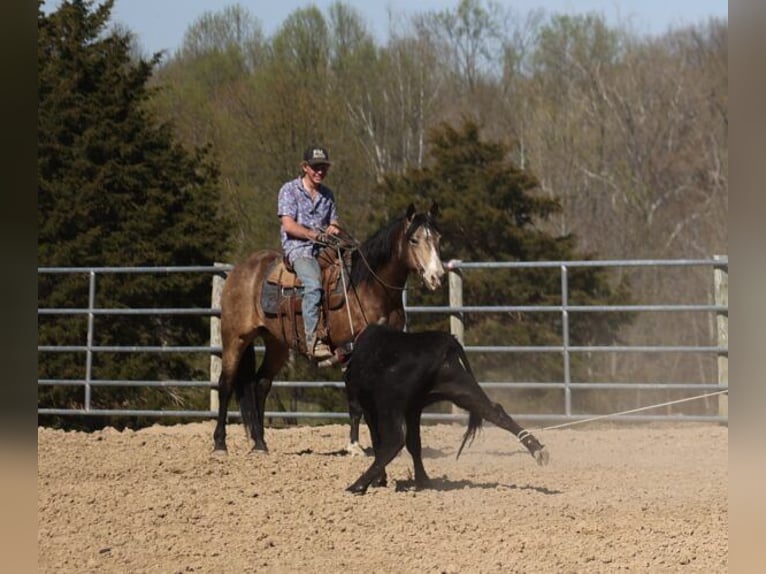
(378, 248)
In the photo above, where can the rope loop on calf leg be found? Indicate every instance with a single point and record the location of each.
(537, 450)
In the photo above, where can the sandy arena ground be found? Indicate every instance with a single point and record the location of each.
(613, 498)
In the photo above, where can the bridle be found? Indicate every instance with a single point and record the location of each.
(345, 241)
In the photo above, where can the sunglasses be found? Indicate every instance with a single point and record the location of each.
(320, 168)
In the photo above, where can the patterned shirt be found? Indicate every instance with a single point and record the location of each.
(296, 202)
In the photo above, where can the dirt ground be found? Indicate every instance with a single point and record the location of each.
(613, 498)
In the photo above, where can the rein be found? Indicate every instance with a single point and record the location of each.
(349, 242)
(377, 278)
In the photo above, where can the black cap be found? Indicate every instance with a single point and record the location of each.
(316, 155)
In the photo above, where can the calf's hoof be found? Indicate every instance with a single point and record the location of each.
(357, 488)
(381, 481)
(542, 456)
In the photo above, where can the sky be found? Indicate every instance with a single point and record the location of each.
(161, 24)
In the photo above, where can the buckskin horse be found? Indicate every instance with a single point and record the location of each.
(252, 306)
(393, 376)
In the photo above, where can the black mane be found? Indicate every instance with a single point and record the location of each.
(378, 249)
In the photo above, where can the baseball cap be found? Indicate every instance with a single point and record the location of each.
(316, 155)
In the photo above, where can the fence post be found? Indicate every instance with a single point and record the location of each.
(721, 287)
(565, 339)
(215, 337)
(91, 328)
(456, 325)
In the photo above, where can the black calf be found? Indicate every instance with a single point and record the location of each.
(393, 376)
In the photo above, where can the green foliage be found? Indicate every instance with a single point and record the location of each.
(115, 189)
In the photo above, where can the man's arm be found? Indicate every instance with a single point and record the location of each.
(298, 231)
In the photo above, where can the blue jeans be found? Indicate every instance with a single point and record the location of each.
(308, 271)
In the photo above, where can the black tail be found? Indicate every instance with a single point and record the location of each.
(474, 420)
(245, 389)
(474, 425)
(463, 358)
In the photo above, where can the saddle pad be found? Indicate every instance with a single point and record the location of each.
(275, 297)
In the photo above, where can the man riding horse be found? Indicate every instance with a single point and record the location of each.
(306, 208)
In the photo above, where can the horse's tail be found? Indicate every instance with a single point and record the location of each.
(245, 389)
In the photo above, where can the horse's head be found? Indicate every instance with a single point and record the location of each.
(423, 253)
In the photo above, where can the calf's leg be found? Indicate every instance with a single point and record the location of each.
(355, 414)
(390, 440)
(371, 419)
(460, 387)
(414, 447)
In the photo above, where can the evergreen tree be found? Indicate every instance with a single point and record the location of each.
(490, 210)
(114, 189)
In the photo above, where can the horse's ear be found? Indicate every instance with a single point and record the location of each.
(410, 212)
(434, 211)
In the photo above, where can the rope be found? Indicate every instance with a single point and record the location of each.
(601, 417)
(345, 293)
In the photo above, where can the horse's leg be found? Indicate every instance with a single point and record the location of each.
(224, 396)
(275, 356)
(391, 441)
(231, 371)
(414, 447)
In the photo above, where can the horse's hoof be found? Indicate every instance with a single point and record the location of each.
(355, 449)
(542, 456)
(220, 453)
(259, 450)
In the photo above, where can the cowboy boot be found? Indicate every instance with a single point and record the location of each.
(318, 349)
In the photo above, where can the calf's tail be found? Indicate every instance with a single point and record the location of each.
(474, 425)
(474, 420)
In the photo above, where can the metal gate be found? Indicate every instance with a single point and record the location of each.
(715, 308)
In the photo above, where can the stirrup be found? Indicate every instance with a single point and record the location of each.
(320, 350)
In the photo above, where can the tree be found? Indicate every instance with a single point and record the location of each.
(114, 189)
(470, 37)
(491, 211)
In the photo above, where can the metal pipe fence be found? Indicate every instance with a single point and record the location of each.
(456, 311)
